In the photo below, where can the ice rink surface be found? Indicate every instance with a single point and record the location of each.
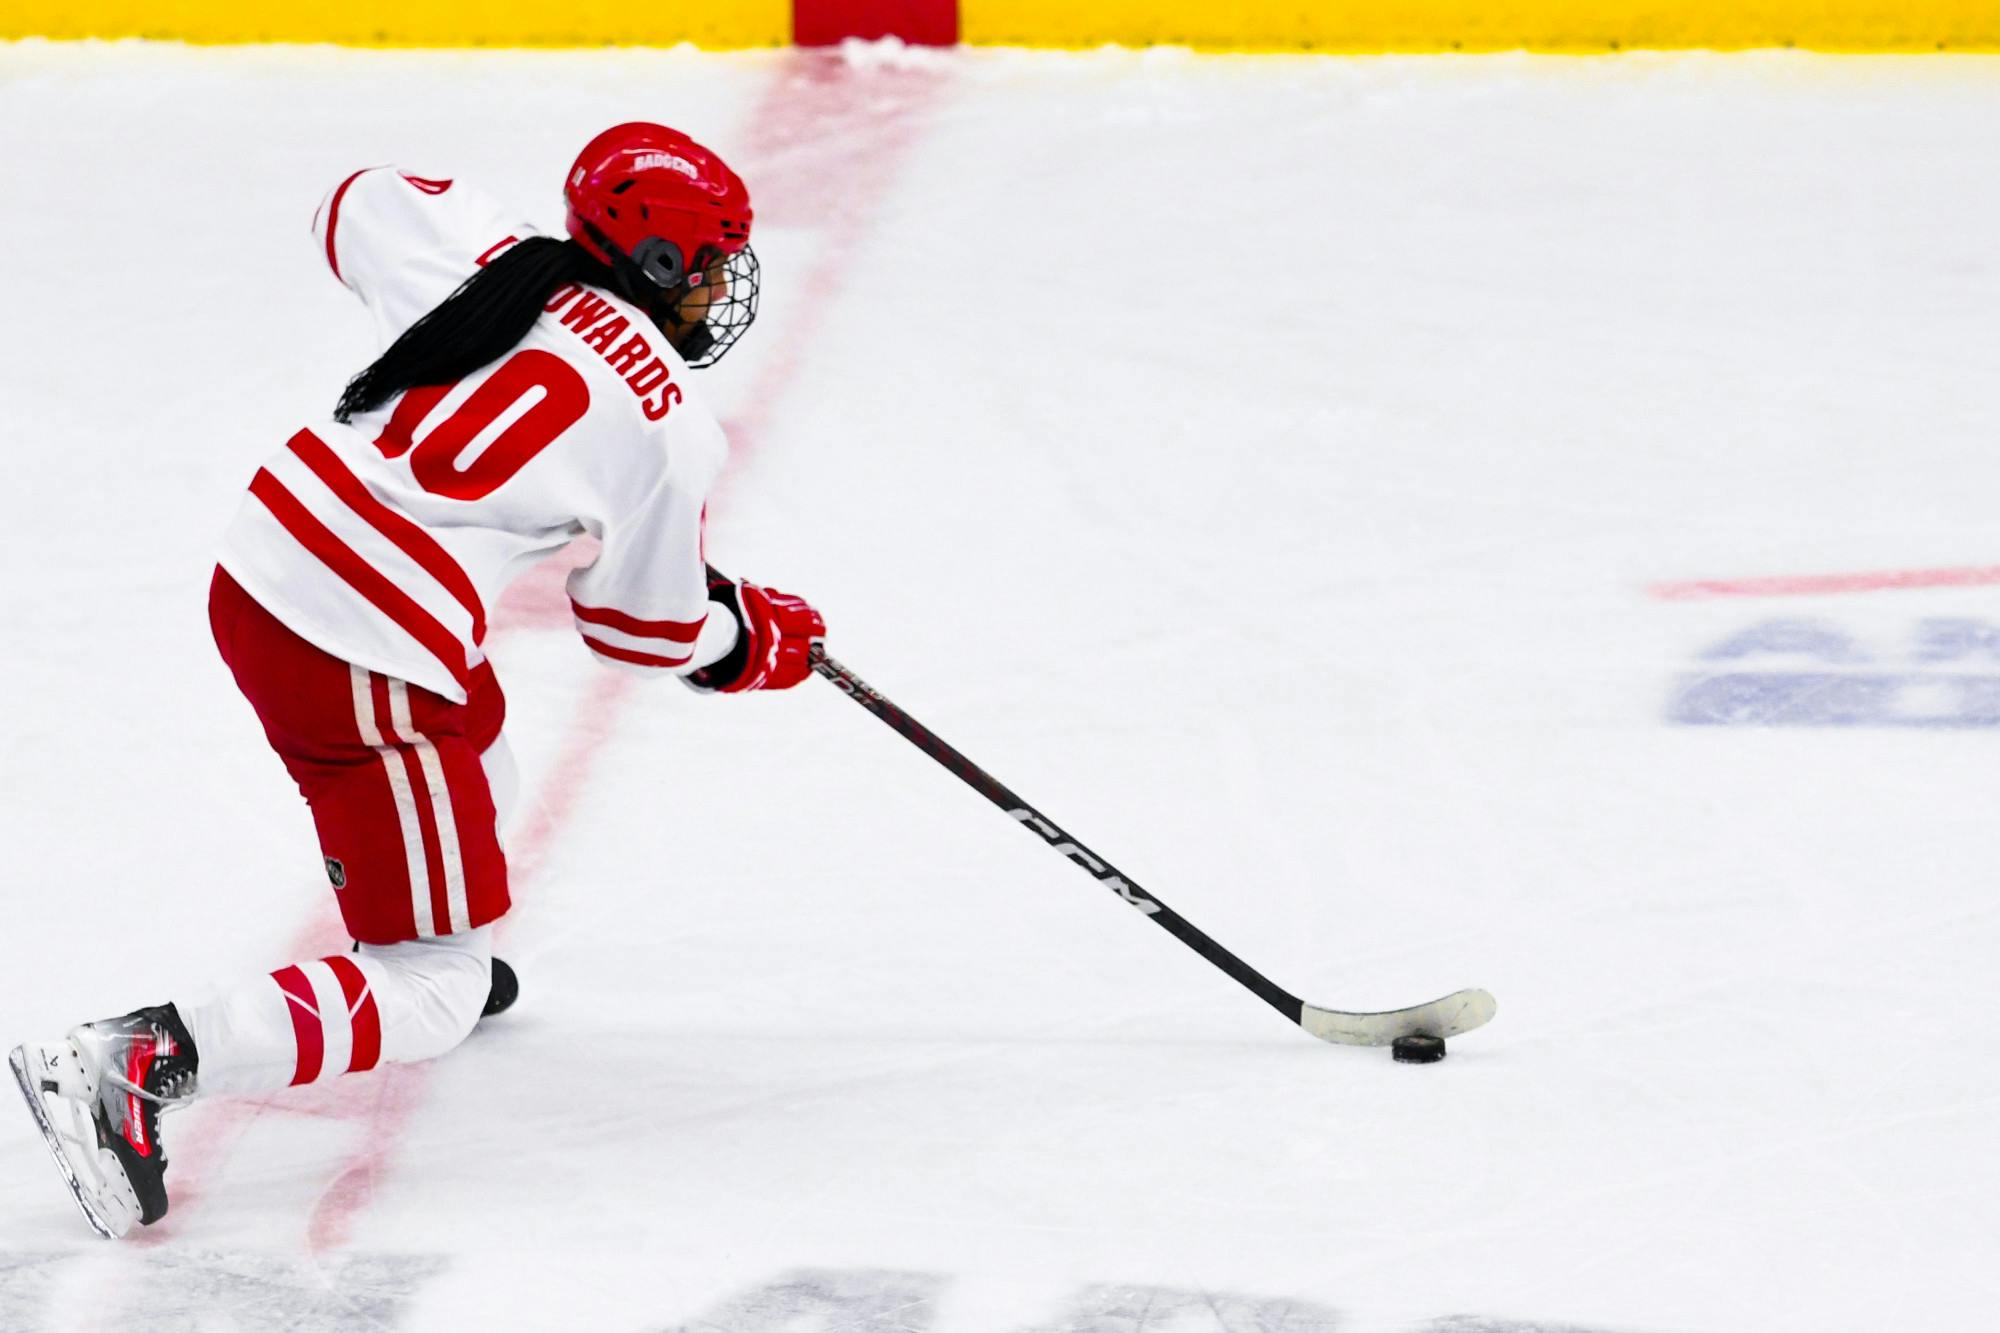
(1270, 467)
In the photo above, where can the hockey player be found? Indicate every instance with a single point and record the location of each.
(533, 389)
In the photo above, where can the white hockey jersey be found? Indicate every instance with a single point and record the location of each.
(383, 542)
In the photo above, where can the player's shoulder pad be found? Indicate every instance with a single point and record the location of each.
(377, 215)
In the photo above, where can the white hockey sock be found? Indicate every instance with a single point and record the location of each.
(342, 1014)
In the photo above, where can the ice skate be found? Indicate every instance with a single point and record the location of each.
(504, 990)
(97, 1095)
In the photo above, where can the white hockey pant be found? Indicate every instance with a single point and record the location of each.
(346, 1013)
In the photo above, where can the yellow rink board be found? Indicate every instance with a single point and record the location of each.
(1221, 25)
(1501, 25)
(721, 25)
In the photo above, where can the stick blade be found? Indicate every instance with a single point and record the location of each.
(1461, 1011)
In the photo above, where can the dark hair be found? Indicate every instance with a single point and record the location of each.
(490, 312)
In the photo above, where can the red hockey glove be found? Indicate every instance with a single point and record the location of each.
(774, 643)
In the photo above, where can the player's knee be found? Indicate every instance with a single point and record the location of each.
(461, 981)
(431, 992)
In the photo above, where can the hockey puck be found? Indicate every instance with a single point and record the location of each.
(1417, 1050)
(507, 988)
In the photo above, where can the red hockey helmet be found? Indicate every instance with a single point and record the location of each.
(670, 218)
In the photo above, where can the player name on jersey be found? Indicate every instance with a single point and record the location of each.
(382, 538)
(609, 334)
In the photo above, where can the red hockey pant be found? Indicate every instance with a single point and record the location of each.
(391, 771)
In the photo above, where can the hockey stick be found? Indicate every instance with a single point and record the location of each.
(1459, 1012)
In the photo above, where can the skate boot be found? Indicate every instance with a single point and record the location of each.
(97, 1095)
(504, 990)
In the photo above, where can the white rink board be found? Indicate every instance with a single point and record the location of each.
(1261, 465)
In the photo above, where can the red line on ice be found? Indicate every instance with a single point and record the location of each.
(1816, 585)
(399, 1090)
(825, 149)
(806, 177)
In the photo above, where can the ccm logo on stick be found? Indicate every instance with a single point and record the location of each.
(1060, 841)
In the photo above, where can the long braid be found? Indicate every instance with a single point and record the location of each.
(489, 313)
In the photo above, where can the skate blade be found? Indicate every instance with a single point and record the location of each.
(100, 1221)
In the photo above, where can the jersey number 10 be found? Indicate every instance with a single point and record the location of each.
(435, 460)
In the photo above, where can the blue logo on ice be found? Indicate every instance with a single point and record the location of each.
(1808, 673)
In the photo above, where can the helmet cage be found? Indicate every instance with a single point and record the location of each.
(655, 276)
(728, 318)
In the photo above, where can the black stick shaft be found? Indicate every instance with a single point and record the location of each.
(977, 778)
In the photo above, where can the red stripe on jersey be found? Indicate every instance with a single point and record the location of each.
(306, 1027)
(681, 631)
(410, 538)
(640, 659)
(333, 219)
(363, 577)
(361, 1011)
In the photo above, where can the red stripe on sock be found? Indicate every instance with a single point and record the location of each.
(361, 1010)
(306, 1029)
